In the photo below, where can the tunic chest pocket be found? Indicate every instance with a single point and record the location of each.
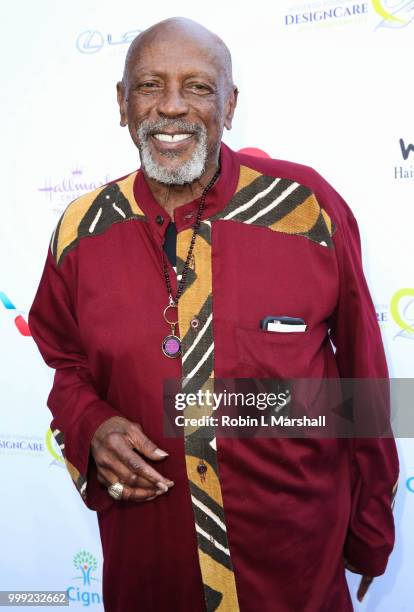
(273, 354)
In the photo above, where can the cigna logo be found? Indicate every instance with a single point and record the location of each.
(19, 321)
(86, 564)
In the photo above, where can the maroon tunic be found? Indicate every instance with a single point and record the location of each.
(294, 508)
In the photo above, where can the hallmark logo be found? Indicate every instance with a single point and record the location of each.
(60, 193)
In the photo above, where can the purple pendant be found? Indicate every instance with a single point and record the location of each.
(171, 346)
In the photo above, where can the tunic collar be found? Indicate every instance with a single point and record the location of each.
(185, 215)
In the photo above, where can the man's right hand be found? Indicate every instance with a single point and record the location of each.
(114, 447)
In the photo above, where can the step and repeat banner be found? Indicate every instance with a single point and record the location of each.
(324, 83)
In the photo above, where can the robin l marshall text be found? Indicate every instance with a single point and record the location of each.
(247, 421)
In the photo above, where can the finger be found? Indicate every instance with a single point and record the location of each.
(134, 462)
(143, 444)
(118, 470)
(132, 494)
(108, 478)
(363, 587)
(143, 483)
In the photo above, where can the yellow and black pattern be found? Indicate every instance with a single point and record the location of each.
(281, 205)
(90, 215)
(201, 453)
(93, 213)
(78, 479)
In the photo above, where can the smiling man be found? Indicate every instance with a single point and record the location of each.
(167, 273)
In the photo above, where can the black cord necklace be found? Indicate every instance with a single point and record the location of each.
(171, 344)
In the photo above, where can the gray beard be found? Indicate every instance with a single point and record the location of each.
(190, 170)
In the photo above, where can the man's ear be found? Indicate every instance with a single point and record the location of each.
(231, 104)
(120, 94)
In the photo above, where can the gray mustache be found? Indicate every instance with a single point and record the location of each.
(147, 128)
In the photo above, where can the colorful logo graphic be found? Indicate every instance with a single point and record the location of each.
(52, 447)
(394, 14)
(402, 311)
(92, 41)
(19, 320)
(410, 484)
(86, 563)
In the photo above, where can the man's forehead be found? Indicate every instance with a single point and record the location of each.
(162, 57)
(180, 43)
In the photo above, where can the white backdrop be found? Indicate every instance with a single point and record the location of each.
(325, 83)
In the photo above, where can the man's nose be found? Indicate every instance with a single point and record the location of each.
(172, 102)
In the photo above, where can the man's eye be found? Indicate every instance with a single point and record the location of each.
(148, 85)
(199, 88)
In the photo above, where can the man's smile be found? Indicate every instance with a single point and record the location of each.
(164, 137)
(177, 142)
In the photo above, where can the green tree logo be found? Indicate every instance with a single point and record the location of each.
(86, 563)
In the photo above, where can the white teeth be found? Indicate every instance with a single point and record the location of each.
(171, 137)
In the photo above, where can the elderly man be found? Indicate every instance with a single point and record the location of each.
(166, 273)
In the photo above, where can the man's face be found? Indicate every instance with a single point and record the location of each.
(176, 101)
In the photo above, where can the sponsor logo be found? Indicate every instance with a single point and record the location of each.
(406, 149)
(402, 312)
(382, 311)
(410, 484)
(18, 318)
(328, 13)
(85, 593)
(404, 171)
(394, 13)
(63, 191)
(17, 444)
(92, 41)
(53, 450)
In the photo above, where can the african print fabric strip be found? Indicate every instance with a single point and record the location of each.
(281, 205)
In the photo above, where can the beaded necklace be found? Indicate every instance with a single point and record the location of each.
(171, 344)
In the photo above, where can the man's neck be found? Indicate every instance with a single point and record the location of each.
(171, 197)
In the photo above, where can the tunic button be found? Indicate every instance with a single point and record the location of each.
(194, 323)
(159, 219)
(201, 468)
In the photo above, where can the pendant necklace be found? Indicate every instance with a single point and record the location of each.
(171, 345)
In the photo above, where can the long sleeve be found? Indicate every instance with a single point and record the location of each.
(75, 404)
(360, 355)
